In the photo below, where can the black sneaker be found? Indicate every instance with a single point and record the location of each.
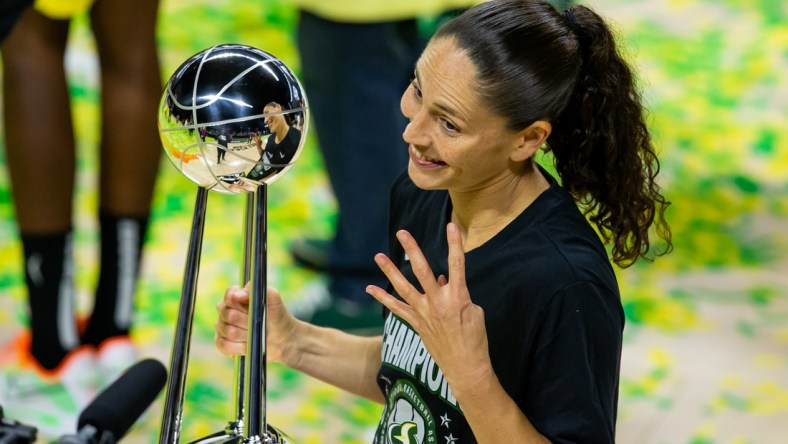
(311, 252)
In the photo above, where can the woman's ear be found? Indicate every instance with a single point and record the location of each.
(531, 139)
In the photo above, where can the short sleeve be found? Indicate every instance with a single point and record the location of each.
(572, 376)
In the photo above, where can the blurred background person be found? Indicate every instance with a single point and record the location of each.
(57, 357)
(357, 56)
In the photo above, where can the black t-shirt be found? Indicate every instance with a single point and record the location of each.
(553, 316)
(276, 156)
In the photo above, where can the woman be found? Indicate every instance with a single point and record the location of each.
(280, 147)
(503, 318)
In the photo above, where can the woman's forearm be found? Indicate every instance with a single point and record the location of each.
(346, 361)
(493, 415)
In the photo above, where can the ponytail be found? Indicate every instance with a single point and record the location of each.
(534, 63)
(602, 147)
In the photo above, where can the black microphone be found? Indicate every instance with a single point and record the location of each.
(14, 432)
(108, 417)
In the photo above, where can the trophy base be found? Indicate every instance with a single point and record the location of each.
(272, 436)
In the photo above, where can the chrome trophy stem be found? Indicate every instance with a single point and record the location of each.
(236, 427)
(255, 422)
(179, 359)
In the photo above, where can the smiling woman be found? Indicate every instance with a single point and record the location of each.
(457, 144)
(705, 330)
(503, 315)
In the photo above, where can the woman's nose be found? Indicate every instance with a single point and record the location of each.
(415, 133)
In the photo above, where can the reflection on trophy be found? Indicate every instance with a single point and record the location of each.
(232, 119)
(216, 108)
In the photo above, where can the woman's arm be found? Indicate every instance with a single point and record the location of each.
(343, 360)
(492, 414)
(338, 358)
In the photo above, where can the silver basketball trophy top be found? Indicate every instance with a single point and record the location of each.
(233, 117)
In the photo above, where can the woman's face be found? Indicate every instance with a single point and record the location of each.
(455, 142)
(276, 122)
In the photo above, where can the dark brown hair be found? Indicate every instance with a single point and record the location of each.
(535, 63)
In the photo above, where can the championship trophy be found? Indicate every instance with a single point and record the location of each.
(232, 119)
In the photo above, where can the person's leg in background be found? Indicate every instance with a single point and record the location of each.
(354, 76)
(40, 152)
(125, 32)
(47, 376)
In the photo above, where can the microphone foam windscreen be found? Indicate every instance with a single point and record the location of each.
(117, 407)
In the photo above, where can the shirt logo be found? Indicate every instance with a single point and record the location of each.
(407, 419)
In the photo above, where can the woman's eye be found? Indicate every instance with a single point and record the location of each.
(449, 126)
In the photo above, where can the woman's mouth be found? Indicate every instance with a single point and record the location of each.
(422, 160)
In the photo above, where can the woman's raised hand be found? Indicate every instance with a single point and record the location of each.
(449, 323)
